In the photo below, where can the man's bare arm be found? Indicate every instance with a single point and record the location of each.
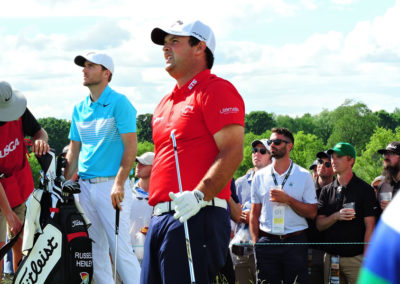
(72, 159)
(128, 158)
(254, 222)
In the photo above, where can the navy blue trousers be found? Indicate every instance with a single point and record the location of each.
(165, 256)
(277, 263)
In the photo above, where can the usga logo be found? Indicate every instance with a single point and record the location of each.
(9, 148)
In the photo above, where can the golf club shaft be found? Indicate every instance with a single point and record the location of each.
(185, 226)
(116, 242)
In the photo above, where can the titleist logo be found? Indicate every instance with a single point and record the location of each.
(37, 265)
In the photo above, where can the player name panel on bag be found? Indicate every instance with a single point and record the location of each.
(44, 256)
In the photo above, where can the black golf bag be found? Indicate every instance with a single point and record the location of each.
(56, 241)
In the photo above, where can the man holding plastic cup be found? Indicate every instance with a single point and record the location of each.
(346, 212)
(391, 171)
(282, 197)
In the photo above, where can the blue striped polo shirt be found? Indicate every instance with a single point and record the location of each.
(98, 125)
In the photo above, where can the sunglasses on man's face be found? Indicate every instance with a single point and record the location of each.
(261, 150)
(326, 164)
(277, 142)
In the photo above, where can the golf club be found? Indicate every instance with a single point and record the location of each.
(116, 242)
(189, 251)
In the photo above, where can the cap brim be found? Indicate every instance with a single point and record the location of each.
(16, 110)
(255, 143)
(158, 36)
(80, 60)
(323, 155)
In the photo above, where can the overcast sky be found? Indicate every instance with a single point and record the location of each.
(285, 57)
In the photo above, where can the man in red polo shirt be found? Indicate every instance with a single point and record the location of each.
(207, 114)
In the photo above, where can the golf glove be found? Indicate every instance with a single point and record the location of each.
(187, 204)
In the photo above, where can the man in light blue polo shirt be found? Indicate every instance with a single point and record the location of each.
(103, 148)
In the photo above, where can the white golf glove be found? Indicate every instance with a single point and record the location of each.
(187, 204)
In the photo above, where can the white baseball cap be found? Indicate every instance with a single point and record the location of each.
(12, 103)
(261, 141)
(146, 158)
(197, 29)
(97, 58)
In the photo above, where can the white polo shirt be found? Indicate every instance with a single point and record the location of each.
(299, 185)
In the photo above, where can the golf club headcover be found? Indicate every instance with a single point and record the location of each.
(32, 223)
(187, 204)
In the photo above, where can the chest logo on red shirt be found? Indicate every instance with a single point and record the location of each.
(229, 110)
(187, 108)
(157, 119)
(9, 148)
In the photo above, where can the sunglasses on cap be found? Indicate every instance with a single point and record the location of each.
(327, 164)
(262, 150)
(277, 142)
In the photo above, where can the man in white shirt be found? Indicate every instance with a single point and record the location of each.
(282, 197)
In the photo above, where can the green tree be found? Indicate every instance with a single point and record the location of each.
(58, 131)
(352, 123)
(305, 123)
(387, 120)
(145, 147)
(369, 163)
(258, 122)
(286, 122)
(324, 125)
(144, 129)
(306, 146)
(35, 167)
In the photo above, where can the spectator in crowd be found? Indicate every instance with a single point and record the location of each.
(207, 114)
(103, 149)
(313, 168)
(346, 213)
(227, 273)
(282, 197)
(324, 177)
(16, 182)
(391, 171)
(376, 183)
(141, 211)
(245, 267)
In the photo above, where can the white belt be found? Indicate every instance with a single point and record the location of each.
(165, 207)
(99, 179)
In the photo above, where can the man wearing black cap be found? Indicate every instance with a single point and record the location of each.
(207, 116)
(391, 172)
(324, 177)
(346, 213)
(16, 182)
(103, 148)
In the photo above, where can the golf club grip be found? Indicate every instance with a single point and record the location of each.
(116, 220)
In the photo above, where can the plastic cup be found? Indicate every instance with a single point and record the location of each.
(350, 205)
(385, 196)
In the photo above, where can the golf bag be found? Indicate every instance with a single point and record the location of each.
(56, 241)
